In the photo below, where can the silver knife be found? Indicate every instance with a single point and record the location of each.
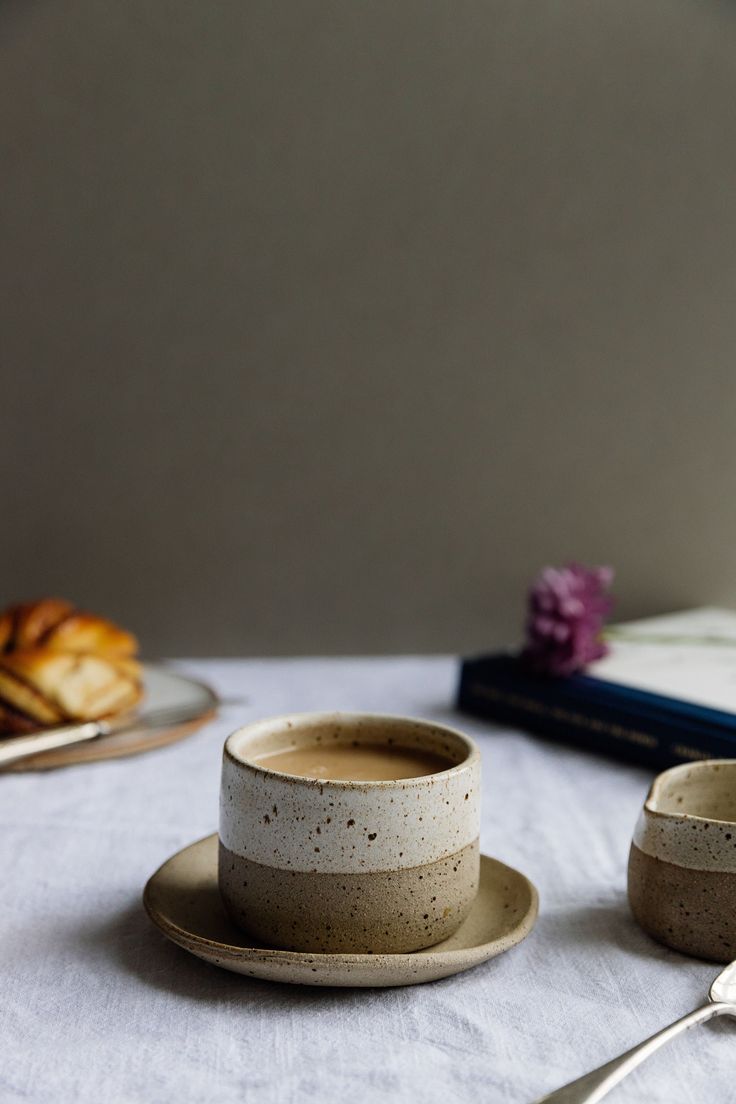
(15, 748)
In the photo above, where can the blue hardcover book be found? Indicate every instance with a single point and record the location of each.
(665, 694)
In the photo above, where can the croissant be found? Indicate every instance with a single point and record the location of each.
(58, 665)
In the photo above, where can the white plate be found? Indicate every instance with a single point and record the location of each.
(163, 689)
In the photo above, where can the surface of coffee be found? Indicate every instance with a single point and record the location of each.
(355, 762)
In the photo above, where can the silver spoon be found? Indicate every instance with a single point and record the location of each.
(596, 1084)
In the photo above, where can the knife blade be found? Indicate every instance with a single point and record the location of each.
(15, 748)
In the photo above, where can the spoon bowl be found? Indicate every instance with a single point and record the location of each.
(723, 989)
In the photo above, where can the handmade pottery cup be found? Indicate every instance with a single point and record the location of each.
(323, 865)
(682, 864)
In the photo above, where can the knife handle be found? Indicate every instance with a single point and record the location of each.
(15, 748)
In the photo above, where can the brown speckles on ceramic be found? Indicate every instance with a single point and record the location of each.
(682, 865)
(278, 829)
(183, 900)
(392, 911)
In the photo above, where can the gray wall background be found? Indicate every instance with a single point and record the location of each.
(324, 325)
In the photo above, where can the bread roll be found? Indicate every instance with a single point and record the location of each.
(59, 665)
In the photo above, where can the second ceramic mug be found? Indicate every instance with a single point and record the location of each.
(349, 866)
(682, 864)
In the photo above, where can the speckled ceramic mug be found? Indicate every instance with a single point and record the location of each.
(348, 866)
(682, 864)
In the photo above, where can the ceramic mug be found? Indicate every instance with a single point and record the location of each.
(348, 866)
(682, 864)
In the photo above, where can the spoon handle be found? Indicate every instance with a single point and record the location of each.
(595, 1085)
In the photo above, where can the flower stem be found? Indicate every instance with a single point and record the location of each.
(614, 633)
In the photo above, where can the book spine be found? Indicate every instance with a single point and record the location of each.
(604, 728)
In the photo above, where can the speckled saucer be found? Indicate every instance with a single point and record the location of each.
(183, 900)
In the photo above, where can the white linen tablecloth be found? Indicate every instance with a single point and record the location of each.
(98, 1006)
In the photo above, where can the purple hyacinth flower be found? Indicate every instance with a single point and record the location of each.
(567, 607)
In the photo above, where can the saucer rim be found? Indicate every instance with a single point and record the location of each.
(372, 961)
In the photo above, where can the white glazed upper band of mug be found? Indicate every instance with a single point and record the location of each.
(337, 827)
(668, 828)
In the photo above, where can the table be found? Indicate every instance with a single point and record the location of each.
(98, 1006)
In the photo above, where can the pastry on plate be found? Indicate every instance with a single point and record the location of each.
(59, 665)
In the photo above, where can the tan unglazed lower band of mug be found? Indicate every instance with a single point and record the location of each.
(394, 910)
(691, 910)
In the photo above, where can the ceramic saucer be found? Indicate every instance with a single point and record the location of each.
(183, 900)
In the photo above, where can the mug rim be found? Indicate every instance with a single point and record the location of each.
(472, 750)
(682, 768)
